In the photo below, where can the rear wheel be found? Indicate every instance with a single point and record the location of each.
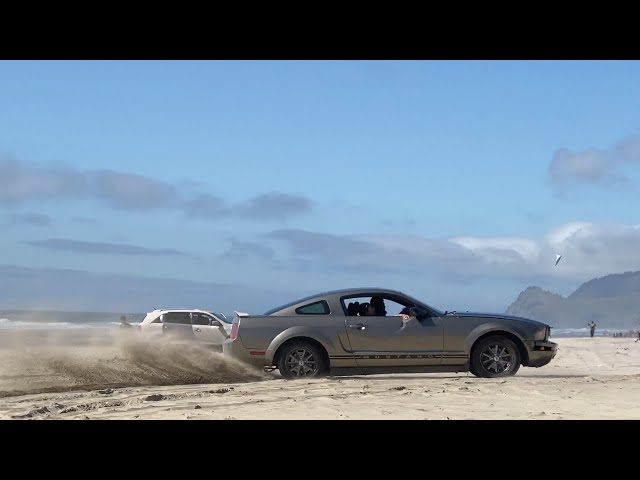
(301, 359)
(495, 356)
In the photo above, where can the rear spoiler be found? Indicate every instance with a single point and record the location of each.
(236, 323)
(238, 315)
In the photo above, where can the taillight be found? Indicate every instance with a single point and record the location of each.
(234, 329)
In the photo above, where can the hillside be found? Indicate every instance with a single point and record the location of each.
(612, 301)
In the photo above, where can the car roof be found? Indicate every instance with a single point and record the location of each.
(167, 310)
(340, 292)
(348, 291)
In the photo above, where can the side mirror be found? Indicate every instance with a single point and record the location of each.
(214, 323)
(419, 313)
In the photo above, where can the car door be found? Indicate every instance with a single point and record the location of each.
(177, 325)
(208, 329)
(391, 342)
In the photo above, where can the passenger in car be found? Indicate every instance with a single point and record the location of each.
(353, 309)
(370, 310)
(367, 310)
(405, 313)
(378, 304)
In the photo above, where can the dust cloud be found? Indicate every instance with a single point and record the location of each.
(89, 359)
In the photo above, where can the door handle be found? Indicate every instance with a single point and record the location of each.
(359, 326)
(198, 330)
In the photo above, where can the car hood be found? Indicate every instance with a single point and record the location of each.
(499, 316)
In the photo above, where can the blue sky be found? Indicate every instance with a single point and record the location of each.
(455, 181)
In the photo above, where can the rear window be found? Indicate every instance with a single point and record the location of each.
(152, 317)
(316, 308)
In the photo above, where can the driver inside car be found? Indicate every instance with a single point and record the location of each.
(376, 307)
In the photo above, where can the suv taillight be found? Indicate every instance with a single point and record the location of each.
(234, 329)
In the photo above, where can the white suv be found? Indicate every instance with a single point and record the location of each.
(199, 325)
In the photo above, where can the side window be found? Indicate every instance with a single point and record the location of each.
(316, 308)
(359, 306)
(181, 318)
(213, 318)
(200, 319)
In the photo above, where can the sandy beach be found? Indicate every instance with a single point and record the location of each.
(111, 377)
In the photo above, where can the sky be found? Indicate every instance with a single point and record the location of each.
(242, 185)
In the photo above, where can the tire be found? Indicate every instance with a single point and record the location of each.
(495, 357)
(313, 358)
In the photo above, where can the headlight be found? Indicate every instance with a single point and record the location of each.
(542, 334)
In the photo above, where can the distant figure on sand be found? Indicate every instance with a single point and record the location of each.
(592, 326)
(124, 323)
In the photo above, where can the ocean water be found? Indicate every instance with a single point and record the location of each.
(585, 332)
(27, 320)
(7, 324)
(75, 320)
(56, 320)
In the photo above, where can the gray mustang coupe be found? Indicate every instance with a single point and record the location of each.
(351, 331)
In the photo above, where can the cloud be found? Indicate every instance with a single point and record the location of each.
(21, 183)
(534, 217)
(466, 270)
(206, 206)
(85, 221)
(400, 223)
(266, 207)
(273, 206)
(31, 219)
(77, 290)
(242, 250)
(500, 250)
(78, 246)
(366, 253)
(588, 250)
(320, 244)
(592, 166)
(124, 190)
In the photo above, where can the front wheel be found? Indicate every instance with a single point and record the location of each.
(494, 357)
(301, 359)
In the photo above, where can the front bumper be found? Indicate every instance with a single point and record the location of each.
(541, 353)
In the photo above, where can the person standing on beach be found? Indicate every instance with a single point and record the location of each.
(592, 326)
(124, 323)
